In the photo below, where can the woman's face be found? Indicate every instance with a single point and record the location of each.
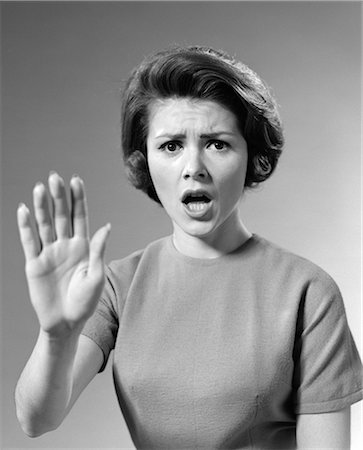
(197, 160)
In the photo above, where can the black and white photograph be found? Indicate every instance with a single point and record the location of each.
(181, 253)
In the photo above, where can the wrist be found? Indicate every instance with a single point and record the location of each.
(62, 330)
(59, 342)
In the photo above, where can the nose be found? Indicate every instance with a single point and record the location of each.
(194, 166)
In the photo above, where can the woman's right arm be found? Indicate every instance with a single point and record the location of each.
(65, 275)
(52, 380)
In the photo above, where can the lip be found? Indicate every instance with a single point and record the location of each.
(196, 192)
(201, 212)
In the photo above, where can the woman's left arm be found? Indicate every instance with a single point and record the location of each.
(324, 431)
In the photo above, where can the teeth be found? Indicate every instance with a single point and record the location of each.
(197, 206)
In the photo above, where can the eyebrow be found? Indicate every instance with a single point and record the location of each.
(216, 134)
(213, 135)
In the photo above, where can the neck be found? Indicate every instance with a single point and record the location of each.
(229, 237)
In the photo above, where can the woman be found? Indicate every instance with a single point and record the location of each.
(221, 339)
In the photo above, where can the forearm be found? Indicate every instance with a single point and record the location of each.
(44, 389)
(326, 431)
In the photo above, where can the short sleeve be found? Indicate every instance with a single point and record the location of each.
(102, 326)
(327, 370)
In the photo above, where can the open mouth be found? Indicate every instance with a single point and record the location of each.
(196, 201)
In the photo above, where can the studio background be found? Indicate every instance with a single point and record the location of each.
(63, 65)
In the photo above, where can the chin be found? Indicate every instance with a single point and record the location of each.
(199, 230)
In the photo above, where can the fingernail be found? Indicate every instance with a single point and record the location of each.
(58, 178)
(77, 177)
(22, 206)
(108, 227)
(38, 186)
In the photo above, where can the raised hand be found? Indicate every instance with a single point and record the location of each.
(64, 269)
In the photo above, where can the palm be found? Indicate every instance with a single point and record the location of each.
(63, 288)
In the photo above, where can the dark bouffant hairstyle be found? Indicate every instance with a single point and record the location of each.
(200, 73)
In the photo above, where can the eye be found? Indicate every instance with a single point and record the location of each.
(218, 145)
(171, 146)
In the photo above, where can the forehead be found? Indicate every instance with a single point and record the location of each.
(178, 115)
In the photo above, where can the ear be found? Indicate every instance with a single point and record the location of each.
(137, 170)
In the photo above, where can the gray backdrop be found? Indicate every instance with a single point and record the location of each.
(62, 68)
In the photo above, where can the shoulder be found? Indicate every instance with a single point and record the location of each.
(121, 273)
(288, 266)
(125, 268)
(303, 285)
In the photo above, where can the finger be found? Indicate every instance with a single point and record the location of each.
(79, 208)
(42, 214)
(60, 206)
(97, 251)
(28, 238)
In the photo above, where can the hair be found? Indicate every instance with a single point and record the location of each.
(200, 73)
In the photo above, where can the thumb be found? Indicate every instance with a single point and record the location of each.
(97, 251)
